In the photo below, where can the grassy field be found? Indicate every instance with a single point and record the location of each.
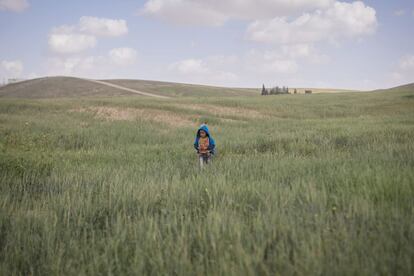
(301, 185)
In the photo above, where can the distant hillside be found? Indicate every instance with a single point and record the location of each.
(69, 87)
(184, 90)
(402, 88)
(58, 87)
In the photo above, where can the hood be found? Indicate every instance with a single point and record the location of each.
(205, 128)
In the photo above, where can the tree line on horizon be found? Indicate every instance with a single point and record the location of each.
(280, 91)
(276, 90)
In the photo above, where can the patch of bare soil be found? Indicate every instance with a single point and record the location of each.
(225, 111)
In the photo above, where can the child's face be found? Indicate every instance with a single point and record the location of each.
(203, 133)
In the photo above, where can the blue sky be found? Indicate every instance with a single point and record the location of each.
(301, 43)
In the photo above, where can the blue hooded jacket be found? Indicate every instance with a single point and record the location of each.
(212, 143)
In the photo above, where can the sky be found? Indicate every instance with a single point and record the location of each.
(236, 43)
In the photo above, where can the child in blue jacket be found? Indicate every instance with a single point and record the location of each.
(204, 144)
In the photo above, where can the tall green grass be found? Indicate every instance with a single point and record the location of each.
(321, 185)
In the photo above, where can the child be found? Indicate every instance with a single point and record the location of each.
(204, 144)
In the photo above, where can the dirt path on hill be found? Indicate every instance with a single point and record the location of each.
(127, 89)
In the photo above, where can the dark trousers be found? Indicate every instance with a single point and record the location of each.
(204, 158)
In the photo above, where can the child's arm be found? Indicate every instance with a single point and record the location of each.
(212, 145)
(196, 145)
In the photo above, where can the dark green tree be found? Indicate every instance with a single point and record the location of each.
(264, 91)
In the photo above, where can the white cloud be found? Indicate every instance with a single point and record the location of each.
(13, 5)
(284, 66)
(95, 26)
(342, 20)
(123, 56)
(12, 68)
(292, 29)
(216, 12)
(270, 62)
(74, 65)
(283, 59)
(184, 12)
(297, 51)
(407, 62)
(204, 71)
(92, 66)
(67, 43)
(189, 66)
(72, 39)
(393, 79)
(399, 12)
(303, 51)
(278, 65)
(404, 71)
(32, 75)
(103, 26)
(396, 77)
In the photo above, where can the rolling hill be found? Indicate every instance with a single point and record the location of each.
(182, 89)
(70, 87)
(58, 87)
(402, 88)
